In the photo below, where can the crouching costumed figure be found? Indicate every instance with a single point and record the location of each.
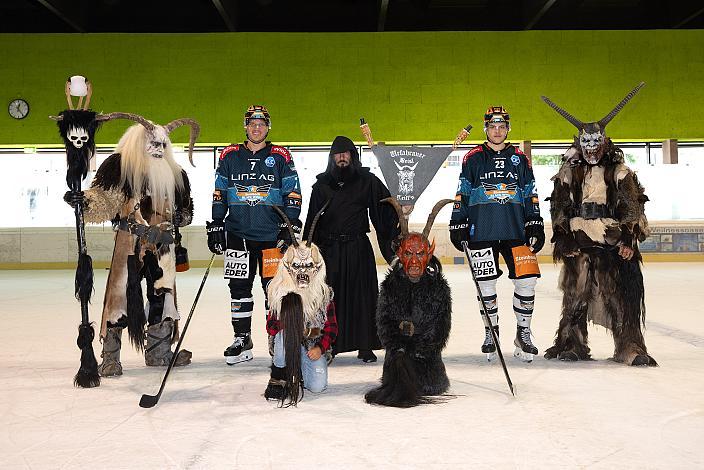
(145, 194)
(597, 209)
(413, 321)
(301, 319)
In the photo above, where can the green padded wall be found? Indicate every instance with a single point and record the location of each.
(411, 87)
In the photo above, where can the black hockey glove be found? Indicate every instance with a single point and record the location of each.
(74, 198)
(284, 236)
(535, 235)
(459, 232)
(216, 236)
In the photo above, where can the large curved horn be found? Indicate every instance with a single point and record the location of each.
(575, 122)
(195, 132)
(288, 224)
(606, 119)
(315, 222)
(132, 117)
(431, 218)
(402, 222)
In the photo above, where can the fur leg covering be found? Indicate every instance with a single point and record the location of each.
(571, 337)
(432, 377)
(628, 320)
(111, 366)
(135, 304)
(399, 383)
(158, 351)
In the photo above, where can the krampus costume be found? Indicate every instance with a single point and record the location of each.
(301, 320)
(597, 209)
(145, 194)
(413, 321)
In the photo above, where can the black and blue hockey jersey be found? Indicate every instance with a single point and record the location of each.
(248, 184)
(496, 193)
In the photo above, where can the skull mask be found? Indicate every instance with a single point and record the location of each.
(592, 135)
(78, 136)
(303, 263)
(157, 141)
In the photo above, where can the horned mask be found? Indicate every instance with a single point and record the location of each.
(592, 135)
(415, 250)
(303, 261)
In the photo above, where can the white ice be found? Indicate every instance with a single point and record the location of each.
(596, 414)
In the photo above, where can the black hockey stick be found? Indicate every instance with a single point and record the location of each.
(487, 319)
(148, 401)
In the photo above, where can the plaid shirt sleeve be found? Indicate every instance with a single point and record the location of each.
(272, 324)
(329, 330)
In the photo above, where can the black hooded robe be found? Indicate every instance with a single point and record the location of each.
(341, 235)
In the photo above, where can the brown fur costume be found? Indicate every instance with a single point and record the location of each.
(111, 197)
(597, 283)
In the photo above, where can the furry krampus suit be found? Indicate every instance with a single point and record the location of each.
(413, 321)
(145, 193)
(598, 218)
(301, 320)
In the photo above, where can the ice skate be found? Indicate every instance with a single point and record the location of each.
(525, 349)
(489, 348)
(240, 350)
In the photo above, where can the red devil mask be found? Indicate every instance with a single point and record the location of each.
(415, 253)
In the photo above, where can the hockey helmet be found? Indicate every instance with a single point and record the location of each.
(257, 111)
(496, 114)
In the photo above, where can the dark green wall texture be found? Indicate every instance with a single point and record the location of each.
(411, 87)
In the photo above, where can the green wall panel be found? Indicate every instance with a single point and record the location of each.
(414, 87)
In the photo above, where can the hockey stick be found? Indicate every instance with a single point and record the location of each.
(487, 319)
(148, 401)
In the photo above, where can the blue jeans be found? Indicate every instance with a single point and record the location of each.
(315, 373)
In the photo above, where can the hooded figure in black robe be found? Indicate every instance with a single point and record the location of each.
(341, 235)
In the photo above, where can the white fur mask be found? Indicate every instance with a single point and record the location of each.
(156, 142)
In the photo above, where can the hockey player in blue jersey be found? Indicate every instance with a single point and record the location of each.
(250, 179)
(496, 212)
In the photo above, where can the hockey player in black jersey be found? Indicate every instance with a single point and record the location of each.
(250, 179)
(496, 212)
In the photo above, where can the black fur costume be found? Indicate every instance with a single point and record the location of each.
(598, 284)
(413, 367)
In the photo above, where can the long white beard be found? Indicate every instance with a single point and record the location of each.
(162, 184)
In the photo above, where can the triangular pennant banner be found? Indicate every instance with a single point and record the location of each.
(408, 170)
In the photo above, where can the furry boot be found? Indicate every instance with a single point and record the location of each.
(571, 341)
(158, 350)
(111, 366)
(276, 389)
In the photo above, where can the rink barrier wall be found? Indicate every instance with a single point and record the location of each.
(55, 248)
(410, 86)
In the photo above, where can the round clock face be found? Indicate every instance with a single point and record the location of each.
(18, 109)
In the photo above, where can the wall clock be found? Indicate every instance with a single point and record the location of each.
(18, 108)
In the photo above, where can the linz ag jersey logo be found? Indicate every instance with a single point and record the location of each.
(252, 195)
(501, 193)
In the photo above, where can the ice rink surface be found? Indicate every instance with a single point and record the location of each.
(596, 414)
